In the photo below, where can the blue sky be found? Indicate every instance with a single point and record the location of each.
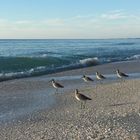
(69, 18)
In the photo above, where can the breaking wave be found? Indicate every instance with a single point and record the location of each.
(89, 61)
(20, 67)
(134, 57)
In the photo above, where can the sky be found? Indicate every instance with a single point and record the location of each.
(69, 19)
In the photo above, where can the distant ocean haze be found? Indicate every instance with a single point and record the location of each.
(22, 58)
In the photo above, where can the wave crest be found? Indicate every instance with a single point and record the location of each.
(134, 57)
(28, 73)
(89, 61)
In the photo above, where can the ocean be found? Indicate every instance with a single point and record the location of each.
(24, 58)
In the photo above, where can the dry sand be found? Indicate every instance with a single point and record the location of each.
(112, 114)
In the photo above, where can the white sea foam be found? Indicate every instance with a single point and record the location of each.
(134, 57)
(89, 61)
(41, 68)
(12, 75)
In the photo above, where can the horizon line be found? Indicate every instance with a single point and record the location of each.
(68, 38)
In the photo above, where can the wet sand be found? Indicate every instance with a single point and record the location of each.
(31, 111)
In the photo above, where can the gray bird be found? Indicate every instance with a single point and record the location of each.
(87, 79)
(100, 76)
(121, 74)
(82, 98)
(56, 85)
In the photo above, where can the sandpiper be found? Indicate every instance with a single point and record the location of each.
(87, 79)
(82, 98)
(100, 76)
(56, 85)
(121, 74)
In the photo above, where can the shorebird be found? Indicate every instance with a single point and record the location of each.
(100, 76)
(121, 74)
(56, 85)
(82, 98)
(87, 79)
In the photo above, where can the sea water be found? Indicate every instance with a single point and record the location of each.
(23, 58)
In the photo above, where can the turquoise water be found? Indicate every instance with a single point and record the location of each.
(21, 58)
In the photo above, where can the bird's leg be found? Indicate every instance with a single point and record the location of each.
(119, 85)
(81, 105)
(121, 80)
(56, 91)
(84, 104)
(100, 81)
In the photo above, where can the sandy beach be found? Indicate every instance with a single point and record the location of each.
(29, 109)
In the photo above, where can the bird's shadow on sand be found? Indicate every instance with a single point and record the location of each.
(121, 104)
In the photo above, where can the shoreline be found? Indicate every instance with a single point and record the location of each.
(111, 65)
(108, 68)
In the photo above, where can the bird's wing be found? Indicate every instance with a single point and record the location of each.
(102, 76)
(59, 85)
(85, 97)
(123, 74)
(90, 79)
